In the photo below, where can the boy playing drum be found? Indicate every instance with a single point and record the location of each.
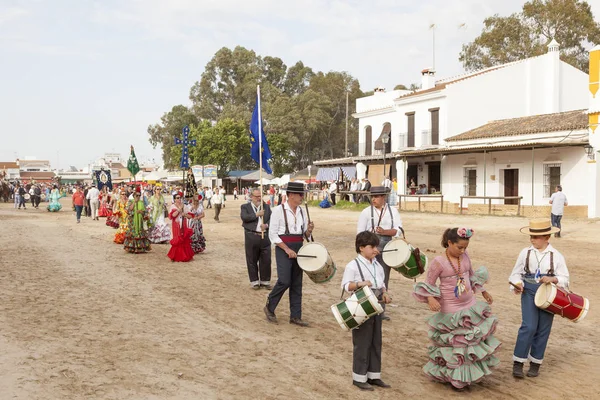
(364, 270)
(537, 264)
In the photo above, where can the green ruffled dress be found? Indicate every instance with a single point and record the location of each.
(462, 333)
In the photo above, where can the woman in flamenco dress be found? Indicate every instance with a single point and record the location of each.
(181, 244)
(121, 213)
(196, 212)
(462, 329)
(55, 196)
(113, 219)
(104, 202)
(160, 231)
(136, 235)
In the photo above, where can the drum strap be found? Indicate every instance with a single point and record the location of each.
(550, 271)
(287, 228)
(362, 277)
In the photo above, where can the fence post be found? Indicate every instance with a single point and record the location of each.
(419, 203)
(490, 206)
(461, 203)
(442, 204)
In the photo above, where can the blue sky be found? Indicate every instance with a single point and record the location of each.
(79, 78)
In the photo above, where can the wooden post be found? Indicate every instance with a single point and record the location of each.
(442, 204)
(419, 203)
(519, 205)
(461, 204)
(490, 206)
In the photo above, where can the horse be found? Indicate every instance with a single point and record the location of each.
(4, 191)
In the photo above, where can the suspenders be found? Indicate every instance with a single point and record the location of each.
(287, 228)
(381, 216)
(550, 271)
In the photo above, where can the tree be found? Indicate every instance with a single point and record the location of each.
(526, 34)
(170, 127)
(400, 87)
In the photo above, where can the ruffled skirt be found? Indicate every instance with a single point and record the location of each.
(160, 233)
(198, 239)
(181, 247)
(54, 206)
(137, 243)
(104, 211)
(463, 345)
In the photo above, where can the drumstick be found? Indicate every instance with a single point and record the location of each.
(312, 239)
(384, 251)
(305, 255)
(515, 286)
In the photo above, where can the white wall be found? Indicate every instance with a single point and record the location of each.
(574, 169)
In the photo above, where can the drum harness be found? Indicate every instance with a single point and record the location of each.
(377, 292)
(528, 272)
(291, 238)
(379, 221)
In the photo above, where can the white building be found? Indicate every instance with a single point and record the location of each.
(512, 130)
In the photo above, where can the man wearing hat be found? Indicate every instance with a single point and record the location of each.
(255, 220)
(383, 220)
(537, 264)
(93, 195)
(287, 231)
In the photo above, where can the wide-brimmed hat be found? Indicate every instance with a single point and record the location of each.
(379, 191)
(539, 227)
(295, 187)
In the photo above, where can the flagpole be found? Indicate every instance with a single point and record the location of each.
(262, 233)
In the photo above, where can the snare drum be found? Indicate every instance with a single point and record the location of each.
(358, 308)
(403, 257)
(314, 259)
(26, 196)
(558, 301)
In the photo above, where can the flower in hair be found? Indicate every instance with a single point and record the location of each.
(465, 233)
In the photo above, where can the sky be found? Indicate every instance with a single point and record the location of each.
(79, 78)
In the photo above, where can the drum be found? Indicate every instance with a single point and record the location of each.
(559, 301)
(356, 309)
(314, 259)
(404, 258)
(26, 196)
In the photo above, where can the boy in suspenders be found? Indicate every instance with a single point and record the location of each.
(537, 264)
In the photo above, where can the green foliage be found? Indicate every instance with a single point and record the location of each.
(303, 113)
(526, 34)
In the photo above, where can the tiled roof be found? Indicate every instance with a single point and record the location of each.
(8, 165)
(564, 121)
(37, 175)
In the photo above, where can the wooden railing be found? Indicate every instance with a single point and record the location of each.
(419, 196)
(490, 198)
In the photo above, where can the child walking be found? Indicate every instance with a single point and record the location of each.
(461, 332)
(537, 264)
(364, 270)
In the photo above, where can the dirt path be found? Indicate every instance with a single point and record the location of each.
(81, 319)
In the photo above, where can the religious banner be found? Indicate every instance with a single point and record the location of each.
(132, 163)
(104, 179)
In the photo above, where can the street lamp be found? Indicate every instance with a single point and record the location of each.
(385, 139)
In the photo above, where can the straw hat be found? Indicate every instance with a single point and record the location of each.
(539, 227)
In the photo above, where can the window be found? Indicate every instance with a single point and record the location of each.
(551, 178)
(411, 129)
(435, 125)
(470, 181)
(368, 140)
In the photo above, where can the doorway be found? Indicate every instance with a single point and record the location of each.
(434, 177)
(511, 185)
(412, 176)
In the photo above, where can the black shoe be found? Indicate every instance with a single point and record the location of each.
(518, 370)
(267, 286)
(378, 382)
(270, 315)
(255, 287)
(534, 369)
(298, 321)
(363, 385)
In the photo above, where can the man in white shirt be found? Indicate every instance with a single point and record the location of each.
(209, 195)
(383, 220)
(217, 201)
(558, 201)
(93, 196)
(287, 231)
(332, 192)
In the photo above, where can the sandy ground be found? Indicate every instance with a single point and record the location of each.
(82, 319)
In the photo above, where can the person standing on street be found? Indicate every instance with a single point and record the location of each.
(217, 201)
(558, 201)
(255, 221)
(78, 202)
(93, 195)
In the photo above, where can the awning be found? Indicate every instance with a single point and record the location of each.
(349, 172)
(387, 128)
(328, 174)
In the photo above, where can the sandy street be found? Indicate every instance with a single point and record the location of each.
(82, 319)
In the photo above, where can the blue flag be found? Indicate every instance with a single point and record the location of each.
(254, 151)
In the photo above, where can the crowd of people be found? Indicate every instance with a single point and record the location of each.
(463, 346)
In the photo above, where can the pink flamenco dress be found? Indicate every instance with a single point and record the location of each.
(104, 210)
(462, 332)
(181, 244)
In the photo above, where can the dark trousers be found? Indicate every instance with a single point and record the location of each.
(217, 211)
(535, 329)
(258, 257)
(383, 240)
(556, 221)
(35, 200)
(21, 201)
(78, 210)
(366, 356)
(289, 276)
(332, 195)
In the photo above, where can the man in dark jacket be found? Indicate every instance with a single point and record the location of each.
(255, 221)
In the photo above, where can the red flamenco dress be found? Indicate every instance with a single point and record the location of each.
(104, 210)
(181, 244)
